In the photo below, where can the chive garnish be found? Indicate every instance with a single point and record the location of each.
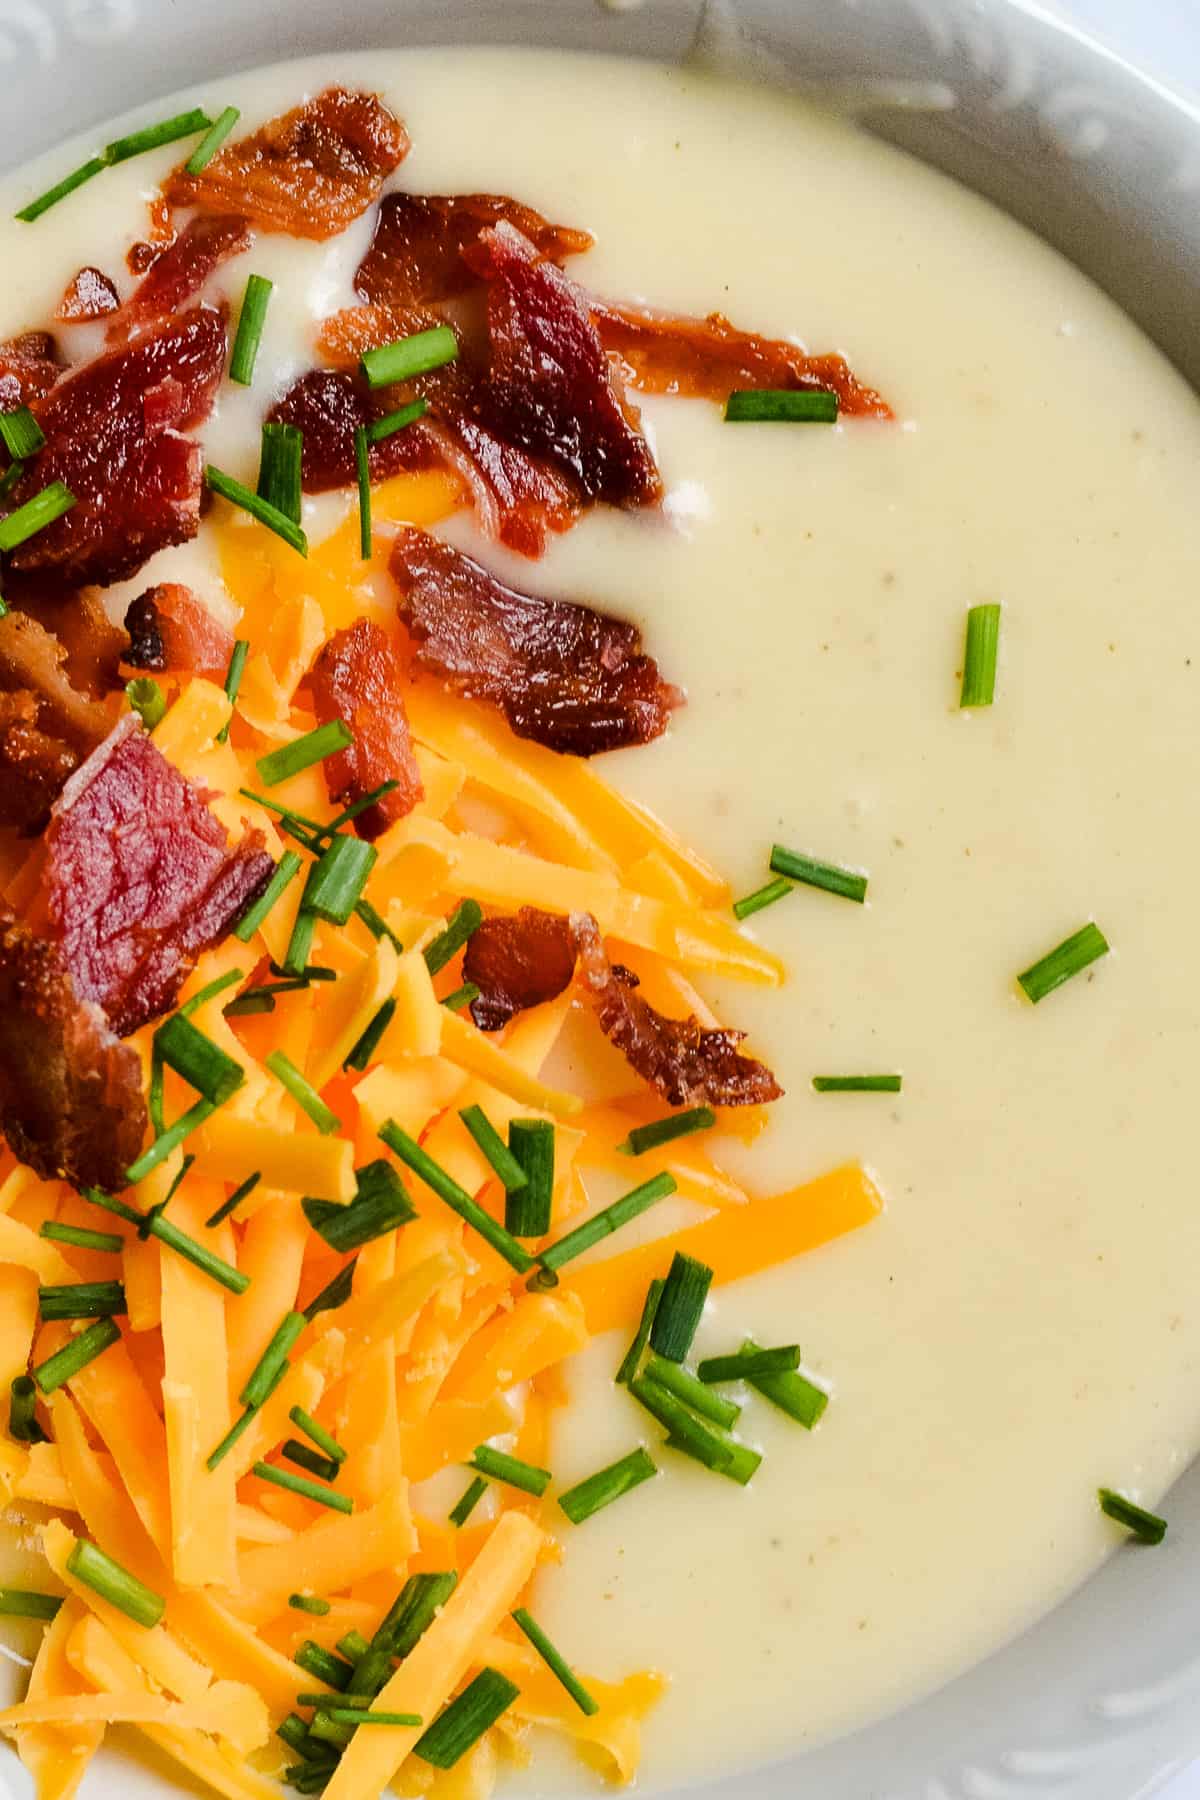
(300, 1484)
(153, 137)
(199, 1255)
(556, 1663)
(413, 1612)
(359, 806)
(811, 873)
(80, 1238)
(392, 422)
(315, 1660)
(632, 1361)
(107, 1578)
(510, 1470)
(251, 320)
(233, 682)
(466, 1719)
(169, 1141)
(781, 406)
(979, 661)
(760, 898)
(23, 1603)
(295, 1735)
(98, 1197)
(236, 1430)
(792, 1392)
(494, 1149)
(323, 1439)
(462, 924)
(377, 925)
(235, 1199)
(302, 1092)
(381, 1204)
(301, 941)
(353, 1646)
(461, 998)
(527, 1209)
(212, 140)
(23, 1426)
(703, 1442)
(94, 166)
(8, 482)
(692, 1391)
(1147, 1527)
(303, 752)
(665, 1131)
(82, 1300)
(309, 1603)
(368, 1043)
(66, 1363)
(262, 1380)
(279, 468)
(354, 1715)
(455, 1197)
(337, 880)
(362, 469)
(335, 1294)
(409, 356)
(602, 1225)
(857, 1084)
(470, 1500)
(286, 870)
(21, 434)
(1071, 957)
(746, 1365)
(306, 831)
(248, 502)
(210, 991)
(304, 1457)
(35, 515)
(200, 1062)
(607, 1485)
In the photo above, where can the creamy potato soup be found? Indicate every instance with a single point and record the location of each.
(1016, 1330)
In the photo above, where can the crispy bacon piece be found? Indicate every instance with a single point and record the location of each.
(171, 629)
(47, 727)
(683, 1062)
(179, 273)
(309, 173)
(71, 1101)
(91, 644)
(416, 253)
(29, 368)
(115, 441)
(139, 879)
(707, 358)
(359, 678)
(89, 296)
(566, 676)
(328, 406)
(517, 963)
(34, 766)
(550, 387)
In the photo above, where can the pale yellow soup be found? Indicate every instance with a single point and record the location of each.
(1019, 1327)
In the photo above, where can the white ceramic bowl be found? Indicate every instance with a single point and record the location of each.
(1099, 1701)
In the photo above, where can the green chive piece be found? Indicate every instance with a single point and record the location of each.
(266, 514)
(353, 1715)
(233, 682)
(556, 1663)
(295, 1735)
(228, 1207)
(336, 1294)
(353, 1646)
(35, 515)
(665, 1131)
(21, 434)
(413, 1611)
(979, 661)
(94, 166)
(463, 923)
(466, 1719)
(210, 991)
(315, 1660)
(495, 1151)
(286, 870)
(781, 406)
(360, 1057)
(705, 1443)
(843, 882)
(262, 1379)
(1072, 956)
(303, 752)
(169, 1141)
(301, 941)
(324, 1731)
(22, 1603)
(9, 481)
(632, 1362)
(98, 1197)
(377, 925)
(362, 467)
(857, 1084)
(793, 1393)
(409, 356)
(607, 1485)
(510, 1470)
(323, 1439)
(212, 140)
(760, 898)
(279, 469)
(692, 1391)
(309, 1603)
(200, 1062)
(299, 1484)
(528, 1207)
(83, 1300)
(23, 1425)
(66, 1363)
(251, 320)
(380, 1205)
(359, 806)
(338, 879)
(153, 137)
(742, 1465)
(199, 1255)
(236, 1431)
(304, 1457)
(603, 1224)
(107, 1578)
(470, 1500)
(392, 422)
(746, 1365)
(302, 1092)
(1147, 1527)
(80, 1238)
(461, 998)
(455, 1197)
(310, 1778)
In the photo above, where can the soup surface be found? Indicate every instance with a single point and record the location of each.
(1019, 1327)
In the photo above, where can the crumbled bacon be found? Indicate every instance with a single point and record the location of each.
(71, 1102)
(34, 766)
(358, 678)
(309, 173)
(707, 358)
(683, 1062)
(92, 646)
(570, 678)
(328, 406)
(47, 726)
(137, 486)
(179, 273)
(416, 253)
(89, 296)
(170, 628)
(29, 368)
(517, 963)
(139, 879)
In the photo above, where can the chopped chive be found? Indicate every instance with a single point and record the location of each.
(377, 925)
(310, 1778)
(792, 1392)
(156, 1212)
(279, 469)
(286, 870)
(248, 502)
(23, 1426)
(302, 1092)
(210, 991)
(495, 1151)
(94, 166)
(251, 320)
(665, 1131)
(742, 1465)
(692, 1391)
(199, 1255)
(1147, 1527)
(233, 682)
(335, 1294)
(309, 1603)
(461, 998)
(979, 662)
(35, 515)
(66, 1363)
(462, 924)
(310, 973)
(169, 1141)
(212, 140)
(380, 1205)
(300, 943)
(107, 1578)
(8, 482)
(601, 1489)
(510, 1470)
(603, 1224)
(98, 1197)
(466, 1719)
(392, 422)
(21, 434)
(22, 1603)
(413, 1611)
(299, 1484)
(306, 831)
(315, 1660)
(705, 1443)
(354, 1715)
(80, 1238)
(155, 1094)
(235, 1199)
(200, 1062)
(82, 1300)
(528, 1209)
(358, 806)
(237, 1430)
(556, 1663)
(304, 1457)
(455, 1197)
(409, 356)
(761, 897)
(323, 1439)
(303, 752)
(805, 869)
(746, 1365)
(469, 1501)
(857, 1084)
(295, 1735)
(781, 406)
(262, 1379)
(368, 1043)
(353, 1646)
(339, 877)
(633, 1356)
(153, 137)
(1071, 957)
(362, 467)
